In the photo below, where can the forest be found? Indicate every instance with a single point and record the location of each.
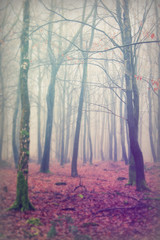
(80, 119)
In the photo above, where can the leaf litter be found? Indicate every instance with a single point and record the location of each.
(97, 205)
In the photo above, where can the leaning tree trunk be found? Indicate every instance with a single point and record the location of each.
(22, 201)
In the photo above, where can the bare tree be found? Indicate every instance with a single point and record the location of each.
(74, 171)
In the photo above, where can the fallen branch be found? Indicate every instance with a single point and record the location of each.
(119, 208)
(68, 209)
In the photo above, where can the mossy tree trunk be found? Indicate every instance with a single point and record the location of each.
(22, 201)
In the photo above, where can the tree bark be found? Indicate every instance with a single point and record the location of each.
(22, 201)
(158, 125)
(39, 146)
(122, 130)
(2, 108)
(74, 172)
(132, 102)
(14, 127)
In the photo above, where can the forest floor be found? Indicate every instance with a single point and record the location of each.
(98, 205)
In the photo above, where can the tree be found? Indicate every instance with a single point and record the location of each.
(22, 201)
(122, 130)
(158, 125)
(132, 98)
(150, 115)
(74, 172)
(14, 128)
(55, 65)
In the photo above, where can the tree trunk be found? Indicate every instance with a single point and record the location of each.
(2, 108)
(110, 128)
(63, 122)
(14, 127)
(74, 172)
(114, 131)
(22, 201)
(122, 130)
(89, 134)
(132, 102)
(39, 146)
(158, 36)
(68, 124)
(102, 138)
(150, 117)
(84, 135)
(50, 105)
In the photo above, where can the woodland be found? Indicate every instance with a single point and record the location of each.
(80, 119)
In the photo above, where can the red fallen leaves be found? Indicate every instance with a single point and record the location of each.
(96, 204)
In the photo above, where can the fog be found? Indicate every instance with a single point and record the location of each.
(104, 103)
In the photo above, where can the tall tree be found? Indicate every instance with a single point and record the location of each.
(39, 145)
(22, 201)
(14, 128)
(122, 129)
(2, 106)
(55, 65)
(158, 37)
(132, 95)
(150, 114)
(74, 171)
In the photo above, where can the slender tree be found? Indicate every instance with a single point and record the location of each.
(14, 128)
(132, 100)
(158, 36)
(2, 106)
(74, 171)
(22, 201)
(122, 129)
(55, 65)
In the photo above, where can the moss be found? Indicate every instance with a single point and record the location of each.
(34, 221)
(24, 132)
(22, 201)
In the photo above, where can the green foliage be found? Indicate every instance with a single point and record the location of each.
(24, 132)
(31, 233)
(80, 195)
(34, 221)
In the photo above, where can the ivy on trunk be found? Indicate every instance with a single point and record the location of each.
(22, 201)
